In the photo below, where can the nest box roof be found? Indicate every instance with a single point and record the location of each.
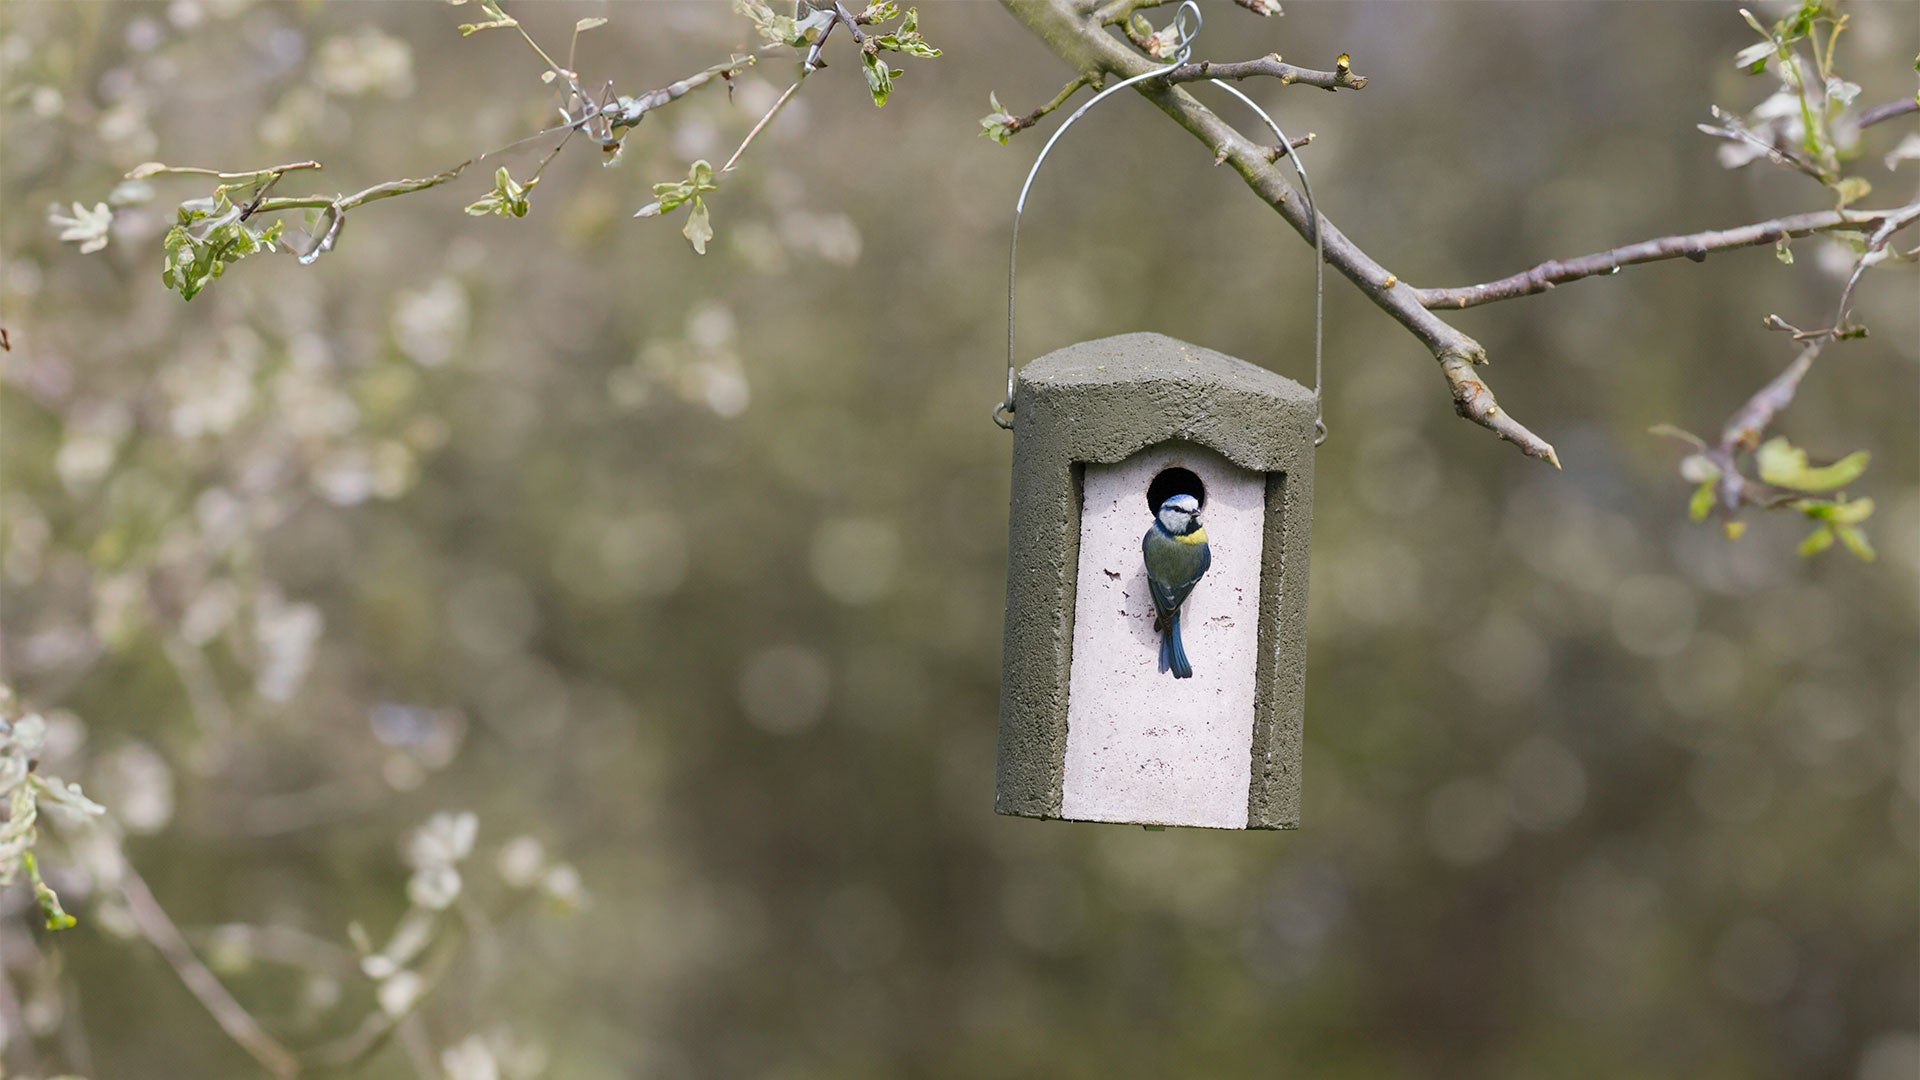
(1110, 398)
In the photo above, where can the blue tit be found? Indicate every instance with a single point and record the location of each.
(1177, 554)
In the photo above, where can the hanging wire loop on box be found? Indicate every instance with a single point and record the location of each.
(1186, 26)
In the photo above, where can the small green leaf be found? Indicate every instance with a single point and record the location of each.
(674, 194)
(879, 77)
(1785, 465)
(1783, 251)
(1856, 542)
(207, 237)
(1698, 469)
(998, 125)
(1800, 23)
(470, 29)
(1702, 502)
(1685, 436)
(1851, 512)
(699, 227)
(56, 916)
(784, 29)
(497, 17)
(508, 197)
(1753, 59)
(1835, 511)
(906, 38)
(1851, 189)
(1816, 542)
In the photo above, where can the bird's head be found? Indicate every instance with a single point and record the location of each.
(1180, 514)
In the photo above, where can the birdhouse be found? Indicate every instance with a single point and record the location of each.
(1091, 726)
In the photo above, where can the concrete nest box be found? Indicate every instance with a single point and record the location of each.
(1090, 728)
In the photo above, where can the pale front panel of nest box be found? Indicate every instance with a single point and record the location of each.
(1143, 746)
(1089, 727)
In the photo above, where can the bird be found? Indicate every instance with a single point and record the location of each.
(1177, 555)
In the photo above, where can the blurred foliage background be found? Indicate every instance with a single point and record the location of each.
(684, 574)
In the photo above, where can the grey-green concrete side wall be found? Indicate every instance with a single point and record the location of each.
(1103, 401)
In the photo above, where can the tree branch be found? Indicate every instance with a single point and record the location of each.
(1695, 246)
(234, 1019)
(1887, 110)
(1340, 78)
(1743, 429)
(1121, 11)
(1022, 123)
(1084, 45)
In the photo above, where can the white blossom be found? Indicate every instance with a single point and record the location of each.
(444, 840)
(470, 1059)
(398, 992)
(88, 228)
(521, 861)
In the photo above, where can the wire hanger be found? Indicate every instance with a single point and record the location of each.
(1186, 24)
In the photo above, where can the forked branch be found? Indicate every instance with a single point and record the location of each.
(1695, 246)
(1081, 42)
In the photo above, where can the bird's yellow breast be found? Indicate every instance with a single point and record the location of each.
(1197, 536)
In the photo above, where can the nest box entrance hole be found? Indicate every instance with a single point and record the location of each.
(1175, 481)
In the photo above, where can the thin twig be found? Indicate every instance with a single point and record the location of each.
(1896, 221)
(360, 198)
(374, 1031)
(1274, 153)
(1887, 110)
(73, 1030)
(205, 699)
(253, 204)
(853, 24)
(1733, 130)
(159, 930)
(335, 208)
(1021, 123)
(1695, 246)
(1744, 428)
(1342, 77)
(18, 1044)
(812, 63)
(154, 168)
(567, 73)
(763, 121)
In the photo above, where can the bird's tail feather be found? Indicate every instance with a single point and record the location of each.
(1173, 655)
